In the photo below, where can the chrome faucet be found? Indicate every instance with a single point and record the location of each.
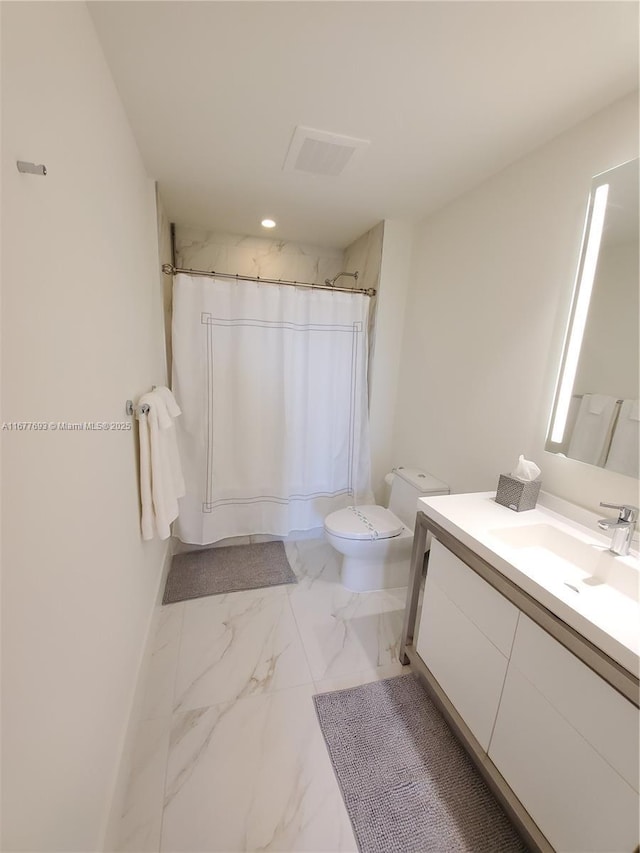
(622, 527)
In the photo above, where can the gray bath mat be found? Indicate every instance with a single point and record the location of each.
(407, 783)
(218, 570)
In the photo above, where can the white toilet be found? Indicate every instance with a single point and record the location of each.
(375, 542)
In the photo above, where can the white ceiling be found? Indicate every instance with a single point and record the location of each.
(448, 93)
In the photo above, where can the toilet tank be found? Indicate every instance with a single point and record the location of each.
(407, 486)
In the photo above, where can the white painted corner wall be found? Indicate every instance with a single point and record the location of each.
(491, 283)
(81, 332)
(395, 267)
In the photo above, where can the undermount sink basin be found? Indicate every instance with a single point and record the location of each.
(582, 566)
(558, 560)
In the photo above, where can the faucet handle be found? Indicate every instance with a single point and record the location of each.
(627, 512)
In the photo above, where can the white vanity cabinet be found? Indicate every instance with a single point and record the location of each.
(556, 739)
(568, 745)
(465, 638)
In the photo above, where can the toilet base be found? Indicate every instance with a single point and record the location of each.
(367, 575)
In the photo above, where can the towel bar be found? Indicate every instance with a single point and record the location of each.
(130, 410)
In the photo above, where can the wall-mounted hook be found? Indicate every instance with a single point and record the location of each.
(31, 168)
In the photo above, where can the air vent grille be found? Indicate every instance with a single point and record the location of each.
(320, 152)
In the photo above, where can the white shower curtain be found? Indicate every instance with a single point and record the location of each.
(272, 383)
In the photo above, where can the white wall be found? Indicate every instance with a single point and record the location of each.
(397, 245)
(364, 256)
(491, 282)
(81, 333)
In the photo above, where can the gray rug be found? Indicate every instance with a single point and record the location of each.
(214, 571)
(408, 785)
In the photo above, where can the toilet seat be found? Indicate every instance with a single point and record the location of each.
(363, 522)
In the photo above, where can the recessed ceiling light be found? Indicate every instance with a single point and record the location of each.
(268, 223)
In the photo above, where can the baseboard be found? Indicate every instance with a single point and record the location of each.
(112, 828)
(166, 568)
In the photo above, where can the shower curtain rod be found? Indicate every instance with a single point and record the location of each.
(169, 269)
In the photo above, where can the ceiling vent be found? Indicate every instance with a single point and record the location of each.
(320, 152)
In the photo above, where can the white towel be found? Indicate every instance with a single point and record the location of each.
(597, 403)
(161, 480)
(590, 437)
(623, 455)
(167, 410)
(146, 500)
(169, 400)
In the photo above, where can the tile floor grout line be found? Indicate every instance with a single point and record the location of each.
(299, 632)
(372, 671)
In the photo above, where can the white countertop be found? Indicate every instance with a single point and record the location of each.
(588, 587)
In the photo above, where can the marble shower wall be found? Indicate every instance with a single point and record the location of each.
(256, 256)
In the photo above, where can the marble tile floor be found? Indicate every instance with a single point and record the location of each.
(229, 755)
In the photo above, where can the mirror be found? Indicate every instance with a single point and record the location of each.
(595, 416)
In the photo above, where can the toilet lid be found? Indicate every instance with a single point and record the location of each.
(363, 522)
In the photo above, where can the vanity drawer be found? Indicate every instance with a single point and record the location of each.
(489, 611)
(466, 665)
(604, 718)
(577, 799)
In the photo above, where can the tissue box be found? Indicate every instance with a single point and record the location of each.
(516, 494)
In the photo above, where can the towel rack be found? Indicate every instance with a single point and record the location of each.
(136, 410)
